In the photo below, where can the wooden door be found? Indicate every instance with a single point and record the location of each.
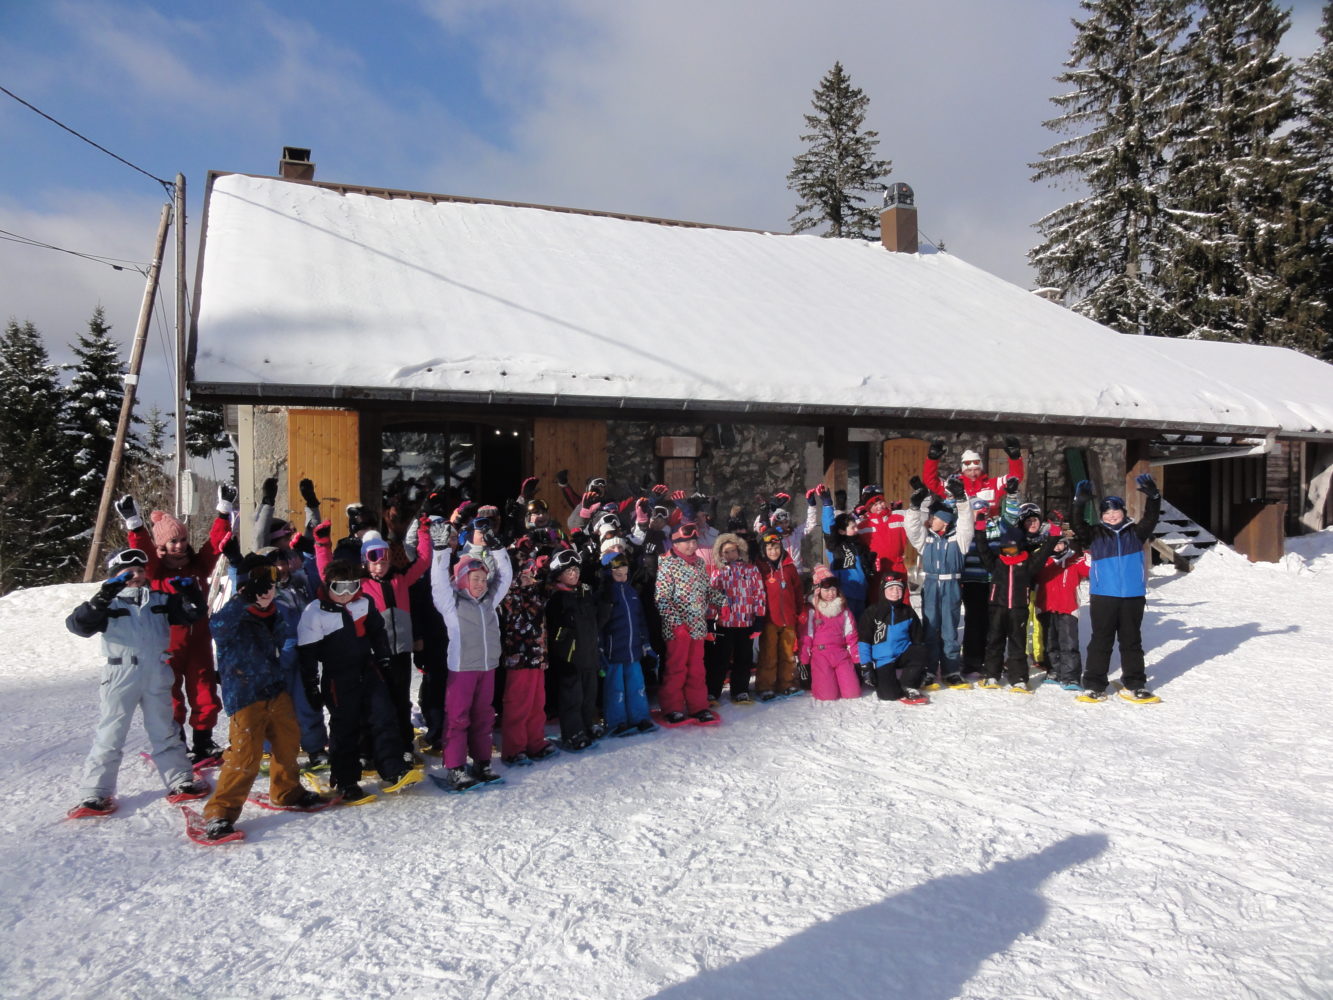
(576, 445)
(903, 459)
(323, 446)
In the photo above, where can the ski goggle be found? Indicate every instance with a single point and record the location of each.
(974, 463)
(344, 588)
(374, 555)
(126, 558)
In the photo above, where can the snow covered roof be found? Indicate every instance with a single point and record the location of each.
(311, 291)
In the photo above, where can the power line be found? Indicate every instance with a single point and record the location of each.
(166, 184)
(112, 262)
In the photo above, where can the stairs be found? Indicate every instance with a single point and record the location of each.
(1179, 540)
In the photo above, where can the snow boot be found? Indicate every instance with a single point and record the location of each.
(219, 828)
(93, 807)
(317, 761)
(481, 770)
(460, 780)
(203, 747)
(187, 790)
(548, 749)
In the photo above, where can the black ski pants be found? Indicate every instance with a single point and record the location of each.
(907, 671)
(1115, 619)
(729, 655)
(1008, 627)
(976, 621)
(1060, 633)
(578, 701)
(358, 699)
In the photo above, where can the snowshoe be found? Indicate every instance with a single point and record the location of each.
(409, 777)
(317, 761)
(1071, 686)
(742, 699)
(306, 802)
(456, 780)
(1020, 687)
(767, 696)
(989, 684)
(576, 743)
(210, 833)
(92, 807)
(911, 696)
(930, 684)
(671, 719)
(792, 692)
(194, 788)
(706, 718)
(481, 770)
(957, 682)
(1092, 697)
(645, 726)
(1140, 696)
(517, 760)
(548, 750)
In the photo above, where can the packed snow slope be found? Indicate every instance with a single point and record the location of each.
(985, 845)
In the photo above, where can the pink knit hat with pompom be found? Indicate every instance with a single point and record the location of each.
(166, 528)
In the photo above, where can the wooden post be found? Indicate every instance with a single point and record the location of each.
(181, 454)
(127, 401)
(835, 460)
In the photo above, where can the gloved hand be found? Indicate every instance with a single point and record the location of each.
(1082, 491)
(660, 490)
(867, 673)
(310, 685)
(678, 495)
(1012, 448)
(231, 548)
(529, 488)
(955, 487)
(920, 494)
(589, 501)
(562, 477)
(433, 505)
(323, 532)
(1148, 486)
(822, 492)
(308, 494)
(936, 450)
(114, 586)
(803, 670)
(129, 512)
(1011, 485)
(782, 499)
(466, 511)
(356, 515)
(268, 492)
(812, 495)
(226, 499)
(442, 534)
(181, 584)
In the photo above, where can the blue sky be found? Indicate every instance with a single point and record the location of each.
(686, 110)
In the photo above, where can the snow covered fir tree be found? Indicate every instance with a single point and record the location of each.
(1312, 139)
(34, 463)
(838, 166)
(1193, 217)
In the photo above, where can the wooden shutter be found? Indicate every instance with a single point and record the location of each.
(323, 446)
(576, 445)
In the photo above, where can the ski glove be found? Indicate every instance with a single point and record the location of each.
(936, 451)
(129, 513)
(782, 499)
(323, 532)
(226, 499)
(955, 487)
(114, 586)
(183, 583)
(562, 477)
(442, 535)
(1011, 485)
(1083, 491)
(1148, 486)
(268, 493)
(803, 671)
(868, 673)
(1012, 448)
(529, 488)
(309, 495)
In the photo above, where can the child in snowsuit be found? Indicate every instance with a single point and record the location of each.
(572, 645)
(731, 651)
(468, 596)
(848, 557)
(882, 531)
(1013, 570)
(683, 597)
(829, 643)
(941, 535)
(250, 632)
(624, 643)
(1117, 588)
(890, 647)
(342, 633)
(135, 621)
(784, 594)
(191, 650)
(523, 655)
(1057, 607)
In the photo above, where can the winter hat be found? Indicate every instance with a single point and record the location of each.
(781, 514)
(869, 501)
(613, 559)
(686, 532)
(372, 541)
(944, 512)
(465, 568)
(821, 574)
(1111, 503)
(894, 580)
(970, 456)
(255, 575)
(167, 529)
(613, 545)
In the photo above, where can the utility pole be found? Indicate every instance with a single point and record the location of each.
(183, 492)
(127, 401)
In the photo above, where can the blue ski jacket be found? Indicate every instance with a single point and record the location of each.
(1116, 553)
(249, 644)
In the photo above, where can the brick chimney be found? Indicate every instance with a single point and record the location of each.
(295, 164)
(897, 223)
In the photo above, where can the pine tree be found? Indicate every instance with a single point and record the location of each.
(1312, 140)
(1234, 183)
(838, 163)
(95, 392)
(33, 463)
(205, 431)
(1104, 248)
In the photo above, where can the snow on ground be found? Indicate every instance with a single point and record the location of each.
(985, 845)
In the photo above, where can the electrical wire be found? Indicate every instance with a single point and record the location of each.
(166, 184)
(115, 263)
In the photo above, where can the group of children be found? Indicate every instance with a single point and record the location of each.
(509, 613)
